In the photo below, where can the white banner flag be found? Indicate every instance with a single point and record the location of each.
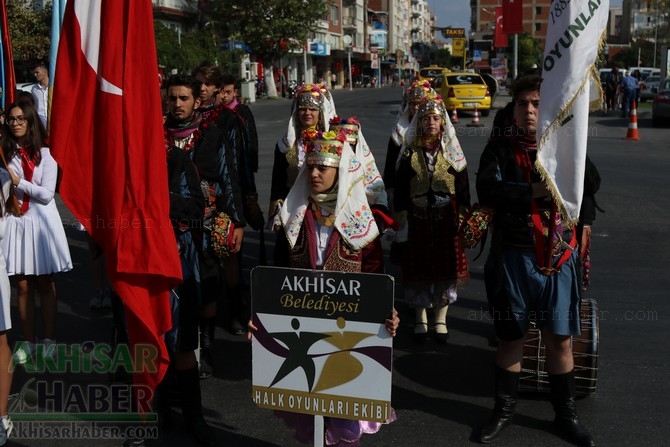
(570, 83)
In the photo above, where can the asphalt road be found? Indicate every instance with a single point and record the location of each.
(441, 394)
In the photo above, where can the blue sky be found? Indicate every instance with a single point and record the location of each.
(456, 13)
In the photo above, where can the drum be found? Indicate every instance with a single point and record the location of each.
(534, 376)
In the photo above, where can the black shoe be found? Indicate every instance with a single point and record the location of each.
(236, 328)
(201, 431)
(506, 393)
(420, 337)
(441, 338)
(563, 393)
(206, 369)
(574, 431)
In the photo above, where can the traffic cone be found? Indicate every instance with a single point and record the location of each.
(475, 119)
(454, 115)
(632, 124)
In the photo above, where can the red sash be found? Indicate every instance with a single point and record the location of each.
(28, 162)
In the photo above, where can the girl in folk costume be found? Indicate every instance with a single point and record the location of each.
(35, 243)
(327, 225)
(311, 112)
(410, 104)
(431, 193)
(8, 205)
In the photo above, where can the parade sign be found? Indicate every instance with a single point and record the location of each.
(321, 346)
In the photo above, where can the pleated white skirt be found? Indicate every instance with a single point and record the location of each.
(35, 243)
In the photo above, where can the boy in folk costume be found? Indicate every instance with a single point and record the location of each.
(527, 273)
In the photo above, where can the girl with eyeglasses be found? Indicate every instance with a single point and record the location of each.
(35, 243)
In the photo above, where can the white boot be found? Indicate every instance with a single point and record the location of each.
(420, 324)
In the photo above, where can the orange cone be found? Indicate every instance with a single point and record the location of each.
(632, 124)
(475, 119)
(454, 115)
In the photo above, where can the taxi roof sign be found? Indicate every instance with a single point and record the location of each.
(453, 32)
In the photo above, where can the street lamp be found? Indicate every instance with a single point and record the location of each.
(347, 42)
(655, 33)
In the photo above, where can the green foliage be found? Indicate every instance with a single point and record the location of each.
(186, 50)
(270, 27)
(443, 58)
(628, 57)
(529, 53)
(30, 32)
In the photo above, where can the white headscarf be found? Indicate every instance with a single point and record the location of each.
(417, 91)
(450, 147)
(353, 216)
(326, 112)
(374, 185)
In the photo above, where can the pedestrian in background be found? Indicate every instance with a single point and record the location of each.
(40, 92)
(35, 243)
(630, 87)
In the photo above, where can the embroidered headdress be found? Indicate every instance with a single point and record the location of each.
(326, 149)
(312, 96)
(418, 90)
(353, 217)
(450, 148)
(309, 96)
(432, 105)
(415, 93)
(349, 126)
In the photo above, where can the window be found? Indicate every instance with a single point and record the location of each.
(334, 14)
(538, 27)
(538, 10)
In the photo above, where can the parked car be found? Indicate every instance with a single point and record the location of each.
(464, 91)
(430, 73)
(660, 108)
(649, 87)
(25, 86)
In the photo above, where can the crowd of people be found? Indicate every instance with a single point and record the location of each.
(324, 179)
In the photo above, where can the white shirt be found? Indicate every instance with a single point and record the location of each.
(41, 96)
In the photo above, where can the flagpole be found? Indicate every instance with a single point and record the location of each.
(516, 57)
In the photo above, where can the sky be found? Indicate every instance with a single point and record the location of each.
(456, 13)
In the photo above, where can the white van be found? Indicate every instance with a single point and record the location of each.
(644, 71)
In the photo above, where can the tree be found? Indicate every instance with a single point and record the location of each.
(529, 53)
(270, 27)
(443, 57)
(30, 34)
(184, 50)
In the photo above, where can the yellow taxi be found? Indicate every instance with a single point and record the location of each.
(463, 90)
(430, 73)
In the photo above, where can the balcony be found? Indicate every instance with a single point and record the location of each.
(349, 22)
(175, 9)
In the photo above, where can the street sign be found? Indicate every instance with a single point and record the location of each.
(448, 33)
(321, 346)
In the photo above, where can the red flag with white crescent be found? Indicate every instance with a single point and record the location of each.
(107, 136)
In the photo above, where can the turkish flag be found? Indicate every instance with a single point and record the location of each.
(107, 136)
(499, 37)
(512, 12)
(6, 60)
